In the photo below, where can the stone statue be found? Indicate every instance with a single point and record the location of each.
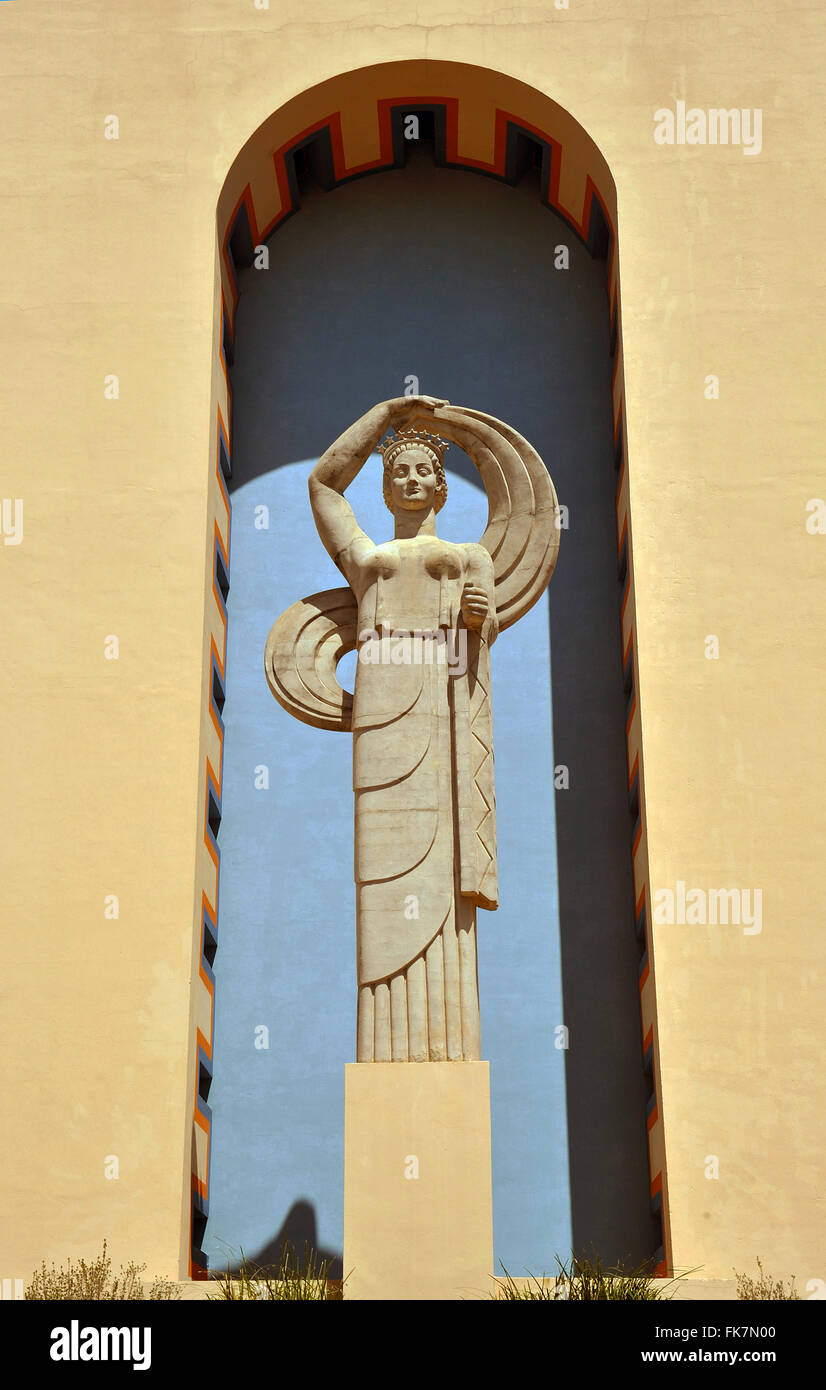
(423, 614)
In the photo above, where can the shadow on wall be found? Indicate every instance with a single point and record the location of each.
(299, 1236)
(448, 277)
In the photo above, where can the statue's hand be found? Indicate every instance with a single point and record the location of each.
(406, 407)
(474, 606)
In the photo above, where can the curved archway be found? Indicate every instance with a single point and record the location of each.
(338, 132)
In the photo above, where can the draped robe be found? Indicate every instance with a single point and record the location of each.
(425, 831)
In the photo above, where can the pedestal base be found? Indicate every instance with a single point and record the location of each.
(418, 1220)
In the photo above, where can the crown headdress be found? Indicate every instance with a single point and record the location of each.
(432, 444)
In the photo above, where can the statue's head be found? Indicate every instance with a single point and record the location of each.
(414, 474)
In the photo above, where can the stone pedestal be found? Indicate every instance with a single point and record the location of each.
(418, 1220)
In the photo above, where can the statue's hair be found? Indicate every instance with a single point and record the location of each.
(430, 445)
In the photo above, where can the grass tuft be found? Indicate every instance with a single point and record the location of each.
(581, 1280)
(293, 1279)
(84, 1281)
(764, 1287)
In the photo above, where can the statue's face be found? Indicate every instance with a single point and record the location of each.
(413, 481)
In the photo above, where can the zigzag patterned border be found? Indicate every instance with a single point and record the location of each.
(201, 1113)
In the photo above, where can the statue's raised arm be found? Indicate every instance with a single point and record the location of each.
(340, 464)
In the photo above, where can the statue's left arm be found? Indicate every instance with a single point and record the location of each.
(478, 596)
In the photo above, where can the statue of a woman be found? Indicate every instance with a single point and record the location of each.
(425, 618)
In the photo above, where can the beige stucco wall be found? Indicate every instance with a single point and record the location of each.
(111, 269)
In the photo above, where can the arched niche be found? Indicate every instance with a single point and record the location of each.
(329, 330)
